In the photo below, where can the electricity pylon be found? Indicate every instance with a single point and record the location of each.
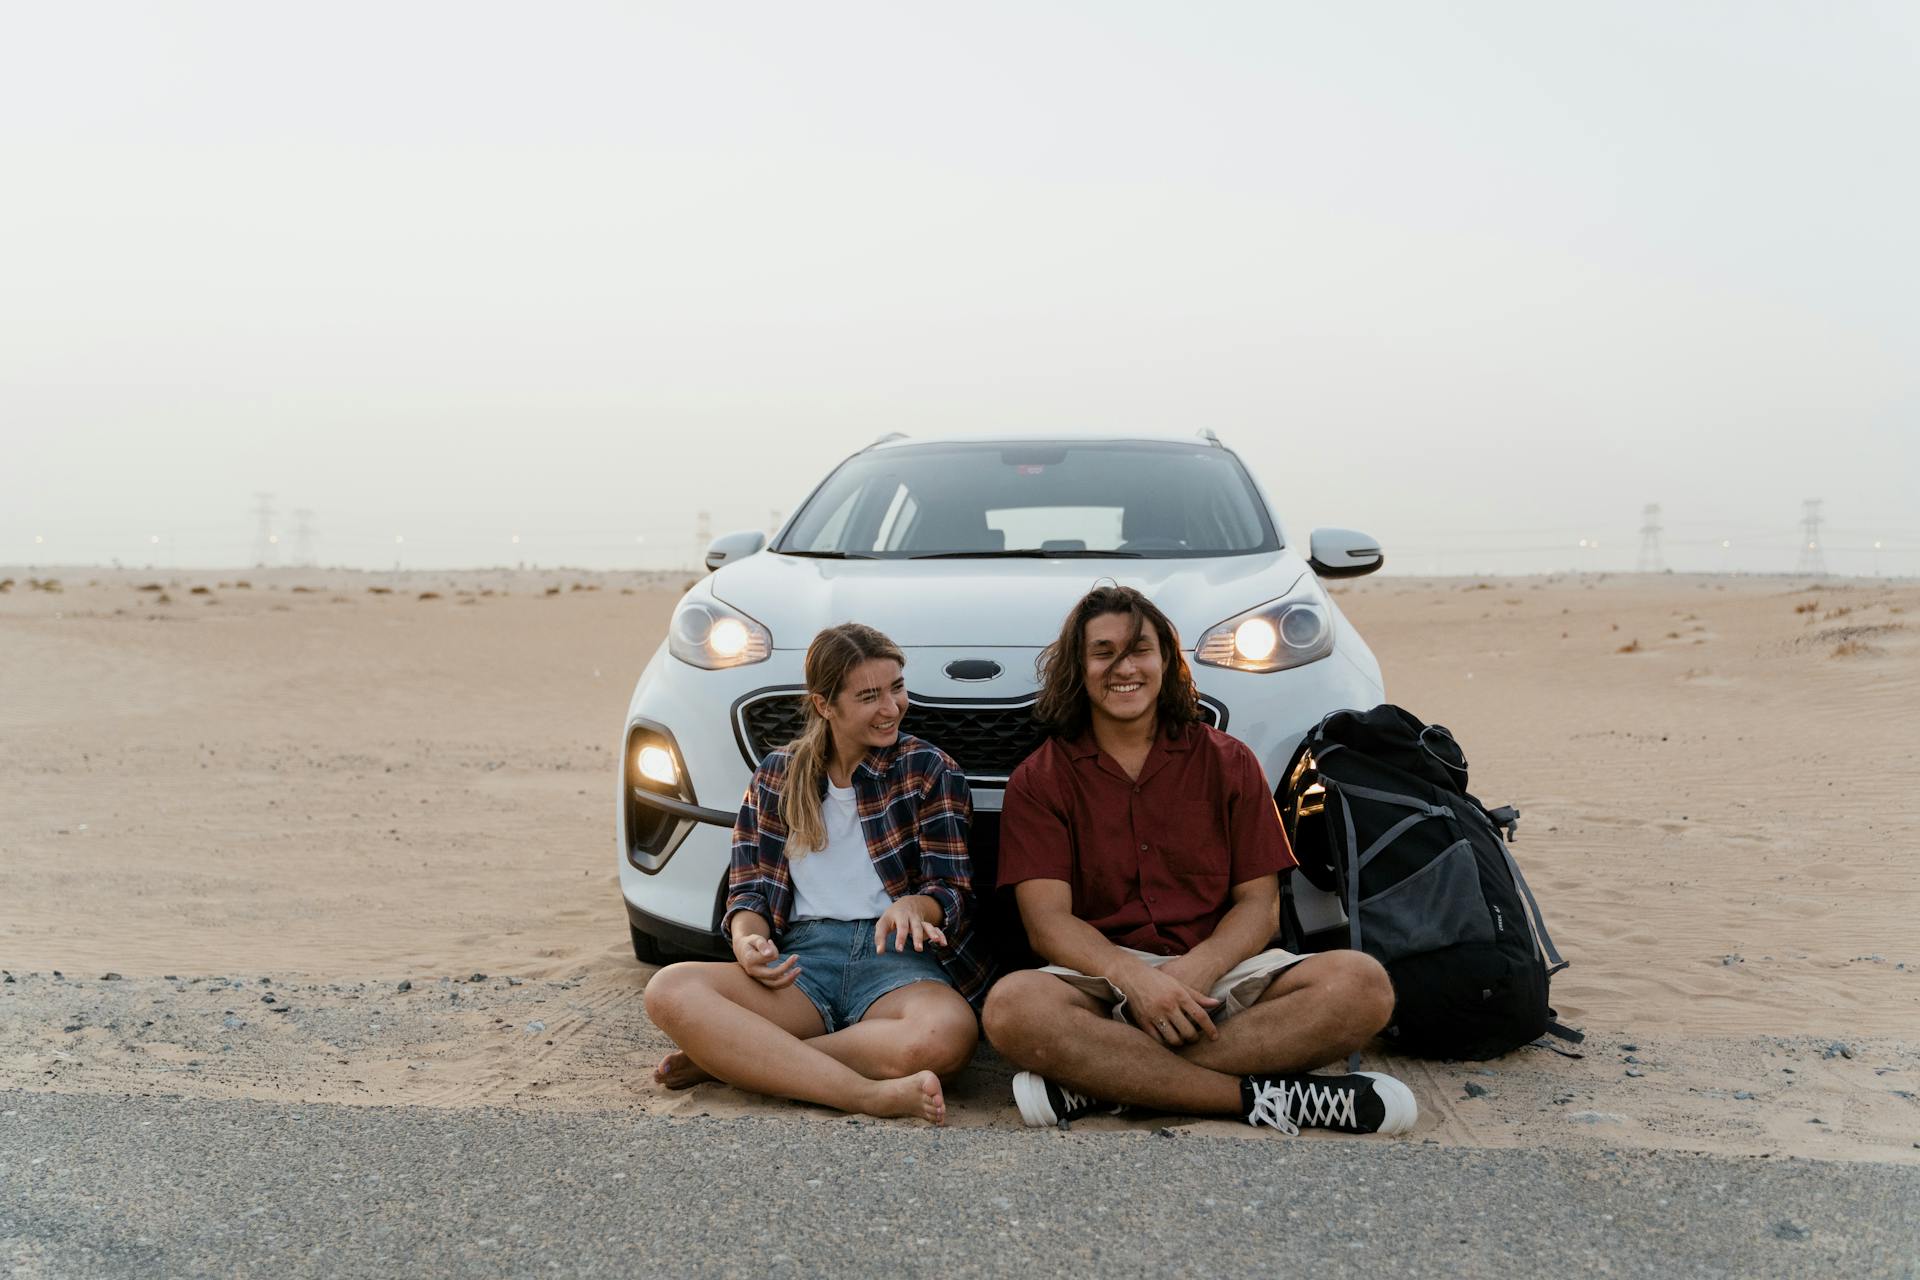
(1651, 559)
(1813, 558)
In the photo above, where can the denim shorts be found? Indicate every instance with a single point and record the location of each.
(843, 977)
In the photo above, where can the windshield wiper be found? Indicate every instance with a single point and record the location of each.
(1028, 553)
(829, 555)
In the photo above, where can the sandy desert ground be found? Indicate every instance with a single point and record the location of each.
(347, 837)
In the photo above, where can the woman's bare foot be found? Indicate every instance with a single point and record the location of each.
(915, 1097)
(678, 1071)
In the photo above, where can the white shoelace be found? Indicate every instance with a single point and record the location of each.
(1287, 1106)
(1075, 1101)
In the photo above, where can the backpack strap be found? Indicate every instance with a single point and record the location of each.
(1554, 963)
(1392, 833)
(1421, 812)
(1352, 904)
(1352, 886)
(1389, 797)
(1565, 1032)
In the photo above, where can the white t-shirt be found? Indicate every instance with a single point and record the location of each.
(838, 882)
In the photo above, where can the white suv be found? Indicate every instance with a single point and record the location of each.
(968, 553)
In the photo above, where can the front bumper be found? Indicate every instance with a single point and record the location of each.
(677, 937)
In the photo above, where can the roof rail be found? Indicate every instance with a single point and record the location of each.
(887, 439)
(1206, 433)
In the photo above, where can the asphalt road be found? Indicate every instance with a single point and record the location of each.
(103, 1186)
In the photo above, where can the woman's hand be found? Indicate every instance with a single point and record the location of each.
(761, 959)
(915, 916)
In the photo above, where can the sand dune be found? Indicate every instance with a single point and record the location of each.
(339, 782)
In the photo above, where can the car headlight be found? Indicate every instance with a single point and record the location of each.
(709, 634)
(1288, 632)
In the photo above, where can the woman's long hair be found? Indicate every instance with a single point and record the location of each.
(831, 658)
(1065, 705)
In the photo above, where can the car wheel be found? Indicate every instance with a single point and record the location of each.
(647, 948)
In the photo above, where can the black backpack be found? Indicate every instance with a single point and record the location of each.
(1376, 806)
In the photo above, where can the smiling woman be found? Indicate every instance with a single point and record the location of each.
(849, 910)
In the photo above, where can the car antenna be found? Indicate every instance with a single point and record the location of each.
(1206, 433)
(886, 439)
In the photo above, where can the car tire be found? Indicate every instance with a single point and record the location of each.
(647, 948)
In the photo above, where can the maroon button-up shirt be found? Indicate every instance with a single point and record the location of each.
(1151, 860)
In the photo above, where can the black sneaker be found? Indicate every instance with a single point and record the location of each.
(1043, 1103)
(1365, 1102)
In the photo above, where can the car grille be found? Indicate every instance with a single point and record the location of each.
(988, 739)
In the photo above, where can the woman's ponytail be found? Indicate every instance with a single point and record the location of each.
(800, 803)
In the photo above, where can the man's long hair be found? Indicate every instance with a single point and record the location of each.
(1065, 707)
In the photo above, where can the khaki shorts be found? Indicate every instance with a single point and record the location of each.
(1237, 990)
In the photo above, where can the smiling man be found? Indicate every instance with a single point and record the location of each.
(1144, 850)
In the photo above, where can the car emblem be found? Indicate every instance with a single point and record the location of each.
(972, 669)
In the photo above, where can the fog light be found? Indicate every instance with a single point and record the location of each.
(1255, 639)
(656, 765)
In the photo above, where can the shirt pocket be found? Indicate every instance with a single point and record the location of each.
(1192, 841)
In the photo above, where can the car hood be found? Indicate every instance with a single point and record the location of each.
(1015, 603)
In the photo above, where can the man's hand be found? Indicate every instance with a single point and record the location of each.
(1164, 1007)
(1190, 971)
(761, 959)
(913, 916)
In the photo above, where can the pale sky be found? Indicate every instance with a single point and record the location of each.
(1480, 279)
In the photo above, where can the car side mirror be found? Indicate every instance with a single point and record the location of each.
(1343, 553)
(729, 547)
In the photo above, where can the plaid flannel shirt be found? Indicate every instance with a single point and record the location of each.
(914, 812)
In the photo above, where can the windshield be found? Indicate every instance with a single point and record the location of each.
(1112, 498)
